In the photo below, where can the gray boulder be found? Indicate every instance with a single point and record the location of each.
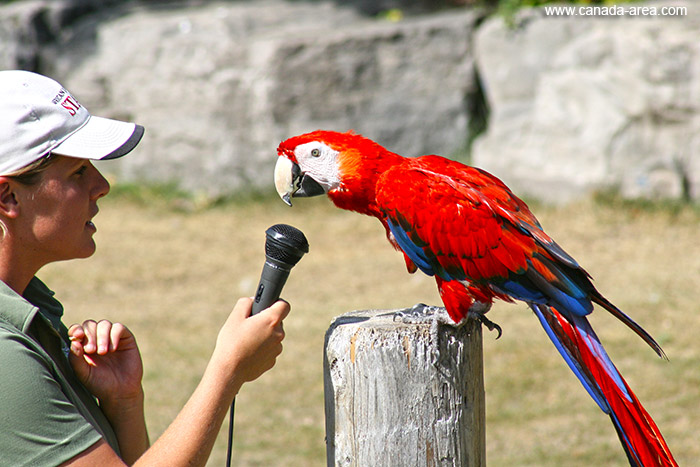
(28, 29)
(24, 28)
(220, 85)
(579, 104)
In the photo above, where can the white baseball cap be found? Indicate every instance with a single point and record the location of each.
(38, 116)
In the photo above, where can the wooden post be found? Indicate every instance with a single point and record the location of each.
(403, 392)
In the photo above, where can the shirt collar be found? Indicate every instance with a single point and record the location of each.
(20, 310)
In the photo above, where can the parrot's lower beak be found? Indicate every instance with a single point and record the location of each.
(290, 182)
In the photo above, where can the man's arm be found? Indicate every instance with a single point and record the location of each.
(245, 349)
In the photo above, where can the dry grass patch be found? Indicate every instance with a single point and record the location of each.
(172, 276)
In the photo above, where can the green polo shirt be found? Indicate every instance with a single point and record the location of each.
(46, 415)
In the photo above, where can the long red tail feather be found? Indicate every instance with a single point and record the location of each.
(641, 438)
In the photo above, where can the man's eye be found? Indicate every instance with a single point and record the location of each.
(81, 170)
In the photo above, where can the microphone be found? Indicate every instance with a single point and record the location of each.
(284, 247)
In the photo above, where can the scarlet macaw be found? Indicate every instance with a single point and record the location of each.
(465, 227)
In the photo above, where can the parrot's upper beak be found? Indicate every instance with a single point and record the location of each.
(286, 179)
(290, 182)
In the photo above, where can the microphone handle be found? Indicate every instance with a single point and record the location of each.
(272, 280)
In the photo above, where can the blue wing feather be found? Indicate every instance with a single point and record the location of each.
(413, 251)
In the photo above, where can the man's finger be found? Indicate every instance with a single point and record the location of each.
(280, 309)
(103, 333)
(89, 327)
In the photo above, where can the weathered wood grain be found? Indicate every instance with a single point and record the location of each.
(403, 392)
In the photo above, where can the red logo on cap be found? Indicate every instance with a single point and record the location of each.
(70, 104)
(67, 101)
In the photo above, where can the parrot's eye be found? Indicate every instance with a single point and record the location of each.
(315, 152)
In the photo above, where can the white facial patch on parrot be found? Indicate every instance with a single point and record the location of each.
(319, 162)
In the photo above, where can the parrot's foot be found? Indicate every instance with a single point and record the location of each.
(481, 318)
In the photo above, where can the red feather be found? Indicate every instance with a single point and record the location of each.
(440, 198)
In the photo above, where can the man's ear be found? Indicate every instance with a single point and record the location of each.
(9, 206)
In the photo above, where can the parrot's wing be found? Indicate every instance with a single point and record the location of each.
(461, 223)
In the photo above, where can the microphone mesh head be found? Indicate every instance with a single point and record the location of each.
(286, 244)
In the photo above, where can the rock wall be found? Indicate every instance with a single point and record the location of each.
(219, 85)
(586, 103)
(571, 105)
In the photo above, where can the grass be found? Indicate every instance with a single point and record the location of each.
(171, 271)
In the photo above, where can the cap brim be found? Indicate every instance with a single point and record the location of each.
(101, 138)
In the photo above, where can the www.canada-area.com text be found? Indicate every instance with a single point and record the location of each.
(614, 10)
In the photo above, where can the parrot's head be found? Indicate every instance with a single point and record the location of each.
(308, 165)
(345, 166)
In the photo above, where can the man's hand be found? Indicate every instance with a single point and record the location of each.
(106, 359)
(247, 345)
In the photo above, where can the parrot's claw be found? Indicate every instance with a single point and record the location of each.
(481, 318)
(420, 311)
(417, 311)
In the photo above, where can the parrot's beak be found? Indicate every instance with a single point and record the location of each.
(286, 179)
(290, 182)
